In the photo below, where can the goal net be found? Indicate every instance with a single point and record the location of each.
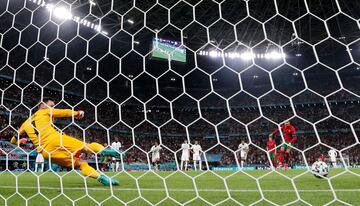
(183, 102)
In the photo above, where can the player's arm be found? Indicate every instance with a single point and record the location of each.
(61, 113)
(274, 133)
(21, 131)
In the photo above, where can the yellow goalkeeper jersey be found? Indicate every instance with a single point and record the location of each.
(39, 127)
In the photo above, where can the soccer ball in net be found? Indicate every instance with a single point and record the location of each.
(320, 169)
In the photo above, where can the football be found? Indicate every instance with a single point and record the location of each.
(320, 169)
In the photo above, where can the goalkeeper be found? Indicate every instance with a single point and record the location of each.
(56, 147)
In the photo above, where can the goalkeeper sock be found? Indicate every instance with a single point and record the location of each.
(88, 171)
(95, 147)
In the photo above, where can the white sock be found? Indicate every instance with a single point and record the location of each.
(181, 165)
(335, 166)
(186, 165)
(200, 165)
(195, 165)
(113, 167)
(117, 166)
(42, 167)
(36, 167)
(242, 164)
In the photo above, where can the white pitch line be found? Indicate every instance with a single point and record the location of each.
(175, 190)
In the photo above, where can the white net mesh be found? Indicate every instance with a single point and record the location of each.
(212, 71)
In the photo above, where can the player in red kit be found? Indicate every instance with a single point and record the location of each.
(289, 133)
(270, 147)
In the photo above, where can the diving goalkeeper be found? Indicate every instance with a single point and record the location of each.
(56, 147)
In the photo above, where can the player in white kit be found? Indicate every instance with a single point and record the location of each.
(115, 163)
(185, 147)
(39, 161)
(155, 155)
(333, 154)
(243, 150)
(196, 149)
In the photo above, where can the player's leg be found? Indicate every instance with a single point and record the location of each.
(272, 158)
(281, 158)
(58, 154)
(117, 164)
(42, 167)
(242, 159)
(186, 165)
(287, 157)
(181, 164)
(36, 167)
(74, 145)
(194, 164)
(200, 164)
(157, 164)
(112, 164)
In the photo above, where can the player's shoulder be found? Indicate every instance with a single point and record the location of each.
(45, 111)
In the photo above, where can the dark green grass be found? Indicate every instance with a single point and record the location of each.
(192, 188)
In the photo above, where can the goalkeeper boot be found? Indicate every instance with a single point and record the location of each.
(109, 153)
(105, 180)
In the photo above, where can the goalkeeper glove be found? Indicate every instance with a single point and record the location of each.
(21, 141)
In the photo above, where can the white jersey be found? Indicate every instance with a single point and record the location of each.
(243, 148)
(196, 152)
(155, 152)
(185, 152)
(116, 145)
(332, 154)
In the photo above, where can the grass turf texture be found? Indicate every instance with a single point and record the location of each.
(211, 187)
(161, 51)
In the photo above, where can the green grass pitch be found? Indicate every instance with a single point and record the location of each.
(191, 188)
(175, 54)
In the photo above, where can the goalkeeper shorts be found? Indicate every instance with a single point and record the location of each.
(64, 153)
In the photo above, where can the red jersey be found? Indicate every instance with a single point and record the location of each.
(322, 157)
(289, 133)
(270, 145)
